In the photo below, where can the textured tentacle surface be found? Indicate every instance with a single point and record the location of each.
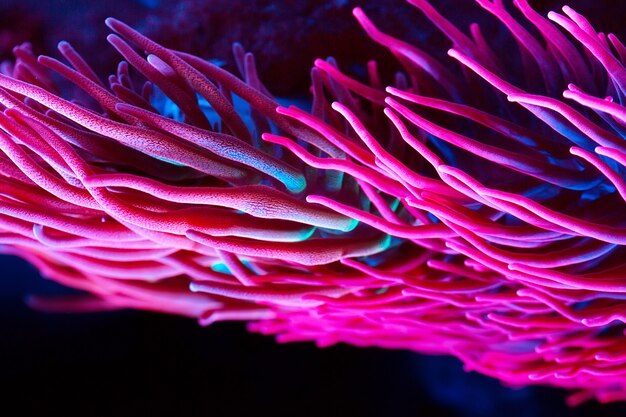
(473, 205)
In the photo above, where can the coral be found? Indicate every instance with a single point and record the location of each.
(475, 207)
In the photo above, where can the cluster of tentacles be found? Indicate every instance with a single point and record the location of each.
(473, 208)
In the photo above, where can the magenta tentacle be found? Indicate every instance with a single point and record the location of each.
(470, 205)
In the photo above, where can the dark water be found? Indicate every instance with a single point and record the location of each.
(141, 364)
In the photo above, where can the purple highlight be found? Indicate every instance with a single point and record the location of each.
(473, 207)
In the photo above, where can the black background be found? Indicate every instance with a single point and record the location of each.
(131, 363)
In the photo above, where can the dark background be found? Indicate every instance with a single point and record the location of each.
(134, 363)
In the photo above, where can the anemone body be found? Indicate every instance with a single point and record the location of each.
(473, 206)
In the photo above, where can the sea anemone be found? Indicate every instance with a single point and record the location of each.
(465, 209)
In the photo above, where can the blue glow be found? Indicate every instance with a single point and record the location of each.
(295, 183)
(150, 4)
(223, 269)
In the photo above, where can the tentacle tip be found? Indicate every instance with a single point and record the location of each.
(390, 101)
(388, 112)
(337, 106)
(445, 169)
(393, 90)
(191, 233)
(206, 322)
(359, 14)
(282, 110)
(352, 224)
(111, 22)
(268, 137)
(297, 185)
(23, 45)
(113, 38)
(123, 107)
(454, 53)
